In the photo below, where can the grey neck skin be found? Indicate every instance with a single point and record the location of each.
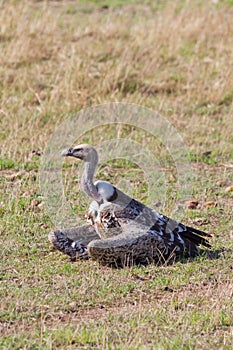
(87, 184)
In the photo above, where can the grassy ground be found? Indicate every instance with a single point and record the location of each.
(58, 57)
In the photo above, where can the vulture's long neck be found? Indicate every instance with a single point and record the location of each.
(87, 184)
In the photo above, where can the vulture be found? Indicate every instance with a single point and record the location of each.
(122, 231)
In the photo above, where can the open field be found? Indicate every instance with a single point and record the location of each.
(58, 57)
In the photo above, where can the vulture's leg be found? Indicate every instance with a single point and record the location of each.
(124, 249)
(133, 245)
(73, 241)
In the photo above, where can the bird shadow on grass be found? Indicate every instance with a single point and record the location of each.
(204, 255)
(214, 254)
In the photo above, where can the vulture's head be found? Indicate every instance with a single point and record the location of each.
(85, 152)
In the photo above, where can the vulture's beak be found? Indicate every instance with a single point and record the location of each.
(67, 152)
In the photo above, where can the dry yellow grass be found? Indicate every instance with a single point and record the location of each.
(57, 59)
